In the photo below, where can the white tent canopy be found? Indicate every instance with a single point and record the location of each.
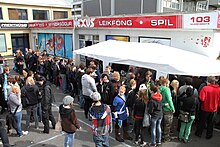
(161, 58)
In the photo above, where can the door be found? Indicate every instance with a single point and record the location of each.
(20, 41)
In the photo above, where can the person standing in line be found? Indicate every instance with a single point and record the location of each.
(1, 63)
(210, 102)
(14, 103)
(189, 105)
(69, 120)
(156, 112)
(168, 109)
(100, 114)
(88, 87)
(3, 88)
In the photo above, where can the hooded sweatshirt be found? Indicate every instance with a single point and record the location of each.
(210, 97)
(155, 106)
(69, 121)
(101, 119)
(88, 85)
(166, 98)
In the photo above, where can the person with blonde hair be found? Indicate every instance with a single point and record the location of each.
(30, 94)
(120, 115)
(174, 86)
(14, 103)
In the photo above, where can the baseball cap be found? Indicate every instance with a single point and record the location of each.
(142, 87)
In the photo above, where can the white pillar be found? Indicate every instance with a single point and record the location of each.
(159, 6)
(112, 7)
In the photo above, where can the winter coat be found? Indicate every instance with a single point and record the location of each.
(155, 106)
(30, 95)
(166, 98)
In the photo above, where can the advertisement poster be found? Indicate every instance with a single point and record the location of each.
(42, 42)
(59, 44)
(163, 41)
(68, 46)
(118, 38)
(50, 44)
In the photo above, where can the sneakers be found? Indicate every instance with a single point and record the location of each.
(24, 133)
(136, 142)
(143, 144)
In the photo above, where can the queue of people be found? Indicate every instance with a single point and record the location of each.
(107, 99)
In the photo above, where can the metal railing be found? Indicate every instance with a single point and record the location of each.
(171, 5)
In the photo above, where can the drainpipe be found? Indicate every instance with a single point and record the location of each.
(142, 6)
(100, 7)
(112, 7)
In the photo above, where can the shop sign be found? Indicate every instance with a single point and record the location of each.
(52, 24)
(200, 21)
(162, 22)
(13, 25)
(218, 22)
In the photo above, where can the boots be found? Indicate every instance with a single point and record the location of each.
(118, 135)
(126, 135)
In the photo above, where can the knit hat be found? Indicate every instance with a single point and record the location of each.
(142, 87)
(68, 100)
(95, 96)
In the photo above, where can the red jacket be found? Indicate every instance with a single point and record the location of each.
(210, 97)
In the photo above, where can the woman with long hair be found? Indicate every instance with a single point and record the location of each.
(139, 109)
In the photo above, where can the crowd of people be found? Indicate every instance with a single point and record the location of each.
(133, 102)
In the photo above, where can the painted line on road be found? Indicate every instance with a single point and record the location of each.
(91, 127)
(43, 141)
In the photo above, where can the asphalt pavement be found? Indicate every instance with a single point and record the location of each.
(83, 138)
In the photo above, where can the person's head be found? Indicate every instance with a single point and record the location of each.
(15, 89)
(92, 63)
(122, 90)
(89, 71)
(6, 70)
(154, 89)
(175, 84)
(189, 91)
(104, 78)
(164, 82)
(11, 80)
(211, 80)
(142, 94)
(68, 100)
(25, 74)
(132, 76)
(30, 81)
(188, 81)
(148, 75)
(133, 83)
(95, 96)
(30, 74)
(116, 76)
(82, 66)
(17, 78)
(45, 52)
(142, 87)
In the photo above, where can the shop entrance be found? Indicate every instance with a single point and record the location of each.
(20, 41)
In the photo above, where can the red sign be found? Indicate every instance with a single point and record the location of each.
(162, 22)
(52, 24)
(218, 21)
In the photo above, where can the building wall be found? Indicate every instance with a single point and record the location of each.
(92, 8)
(8, 32)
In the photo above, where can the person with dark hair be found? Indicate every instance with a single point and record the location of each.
(106, 90)
(156, 112)
(210, 102)
(189, 105)
(46, 105)
(88, 87)
(101, 121)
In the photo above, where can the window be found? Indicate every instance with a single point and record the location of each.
(1, 17)
(60, 14)
(17, 14)
(2, 43)
(40, 14)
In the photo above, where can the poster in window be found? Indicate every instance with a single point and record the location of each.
(68, 46)
(118, 38)
(163, 41)
(59, 44)
(50, 44)
(42, 42)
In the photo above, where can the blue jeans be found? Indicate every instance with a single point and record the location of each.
(18, 117)
(69, 139)
(64, 85)
(156, 127)
(39, 112)
(101, 141)
(81, 99)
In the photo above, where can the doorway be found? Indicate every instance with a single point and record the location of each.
(20, 41)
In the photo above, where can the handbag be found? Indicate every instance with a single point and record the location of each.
(58, 126)
(11, 120)
(146, 119)
(184, 116)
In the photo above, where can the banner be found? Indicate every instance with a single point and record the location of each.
(50, 44)
(42, 42)
(59, 44)
(68, 46)
(52, 24)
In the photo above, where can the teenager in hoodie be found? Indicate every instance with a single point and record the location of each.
(156, 112)
(101, 121)
(69, 120)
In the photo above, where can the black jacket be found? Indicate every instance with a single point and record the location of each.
(30, 95)
(131, 97)
(139, 108)
(155, 106)
(106, 90)
(189, 104)
(47, 96)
